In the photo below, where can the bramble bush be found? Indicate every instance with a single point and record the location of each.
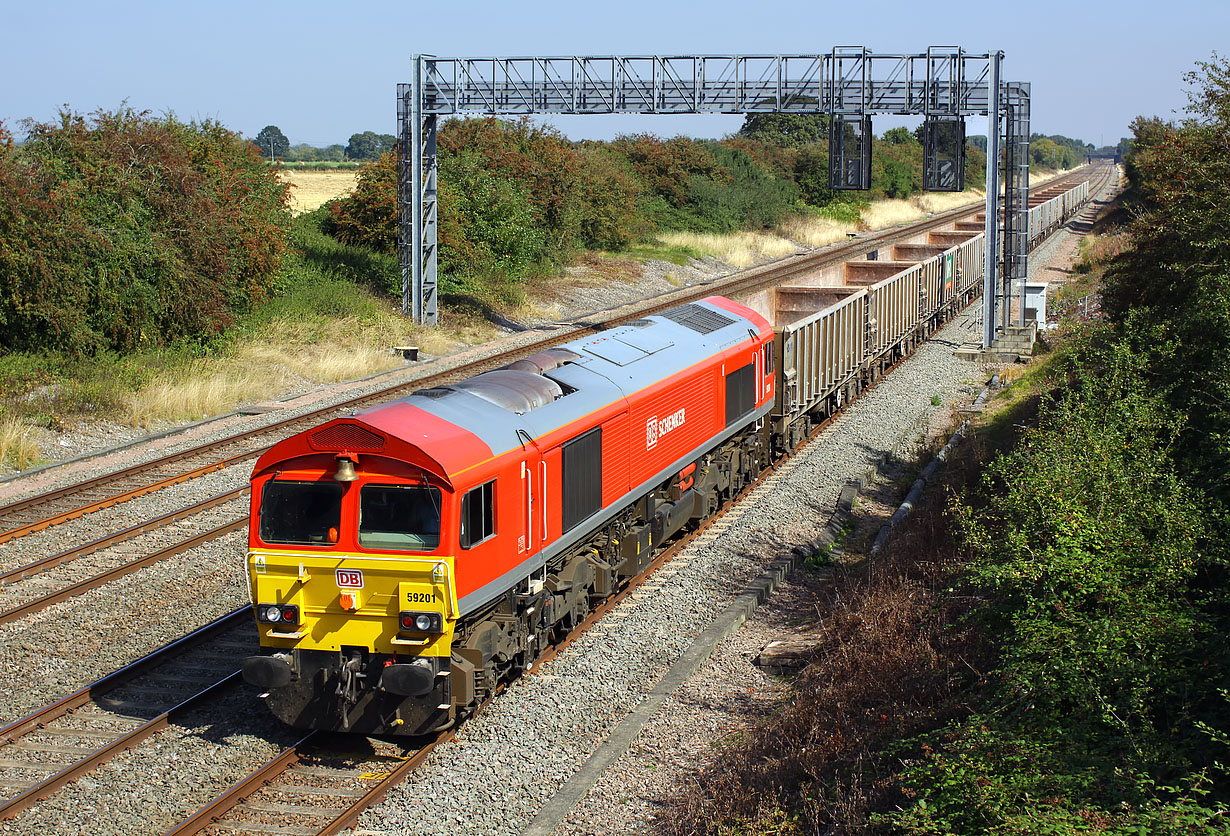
(1095, 553)
(124, 231)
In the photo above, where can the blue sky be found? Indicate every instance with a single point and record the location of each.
(323, 71)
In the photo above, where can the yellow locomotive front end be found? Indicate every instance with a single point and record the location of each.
(355, 598)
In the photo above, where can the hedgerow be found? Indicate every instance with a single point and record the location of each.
(517, 199)
(125, 231)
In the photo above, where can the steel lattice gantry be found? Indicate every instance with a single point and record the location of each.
(848, 83)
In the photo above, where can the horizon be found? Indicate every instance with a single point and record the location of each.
(292, 65)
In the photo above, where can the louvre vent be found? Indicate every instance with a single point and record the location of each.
(346, 437)
(434, 393)
(701, 320)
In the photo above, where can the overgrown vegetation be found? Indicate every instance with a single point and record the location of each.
(124, 232)
(1043, 652)
(517, 199)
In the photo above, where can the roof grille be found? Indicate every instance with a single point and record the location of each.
(701, 320)
(346, 437)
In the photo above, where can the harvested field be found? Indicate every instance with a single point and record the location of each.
(310, 189)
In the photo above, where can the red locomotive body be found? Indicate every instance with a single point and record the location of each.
(405, 559)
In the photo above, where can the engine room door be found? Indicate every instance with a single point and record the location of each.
(534, 508)
(526, 541)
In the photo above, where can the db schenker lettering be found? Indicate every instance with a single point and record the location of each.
(657, 427)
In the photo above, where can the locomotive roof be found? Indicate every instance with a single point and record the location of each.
(500, 409)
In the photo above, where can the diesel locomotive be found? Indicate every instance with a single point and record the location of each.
(405, 560)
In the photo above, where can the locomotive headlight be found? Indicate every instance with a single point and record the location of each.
(421, 622)
(282, 615)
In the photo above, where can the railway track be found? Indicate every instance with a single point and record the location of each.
(100, 561)
(36, 513)
(46, 750)
(299, 784)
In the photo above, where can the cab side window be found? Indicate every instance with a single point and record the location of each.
(478, 515)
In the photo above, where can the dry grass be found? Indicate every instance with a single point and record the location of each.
(310, 189)
(882, 213)
(812, 231)
(738, 249)
(17, 449)
(815, 232)
(1098, 250)
(290, 354)
(943, 201)
(257, 371)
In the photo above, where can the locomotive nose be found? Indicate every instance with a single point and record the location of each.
(266, 672)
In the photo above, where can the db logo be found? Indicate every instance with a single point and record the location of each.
(657, 427)
(349, 579)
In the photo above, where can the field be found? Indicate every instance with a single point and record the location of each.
(310, 189)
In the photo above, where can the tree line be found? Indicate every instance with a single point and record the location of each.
(517, 198)
(362, 147)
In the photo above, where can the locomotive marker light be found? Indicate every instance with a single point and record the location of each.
(282, 615)
(421, 622)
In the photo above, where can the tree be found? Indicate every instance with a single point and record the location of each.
(369, 145)
(899, 136)
(272, 142)
(898, 179)
(786, 129)
(1171, 290)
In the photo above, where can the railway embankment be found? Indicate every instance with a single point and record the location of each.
(1039, 647)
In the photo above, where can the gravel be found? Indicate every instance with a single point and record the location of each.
(55, 651)
(510, 759)
(514, 756)
(151, 788)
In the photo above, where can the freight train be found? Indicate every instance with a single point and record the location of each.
(406, 560)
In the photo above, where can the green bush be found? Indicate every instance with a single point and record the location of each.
(1094, 553)
(123, 231)
(1171, 291)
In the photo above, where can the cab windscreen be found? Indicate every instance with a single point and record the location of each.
(302, 513)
